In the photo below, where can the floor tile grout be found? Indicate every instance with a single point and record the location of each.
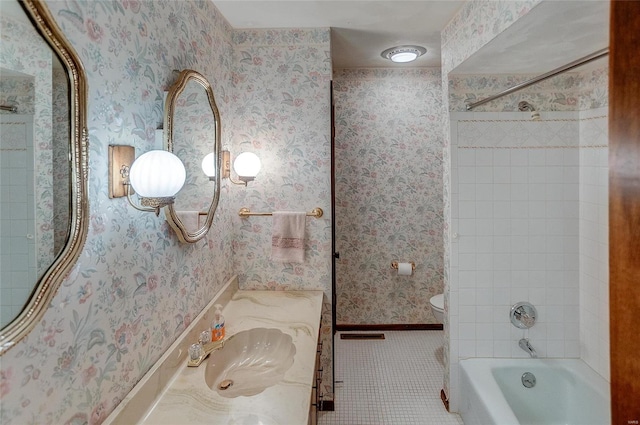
(395, 381)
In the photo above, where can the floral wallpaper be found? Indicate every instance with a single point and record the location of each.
(555, 94)
(476, 23)
(60, 144)
(135, 287)
(281, 113)
(570, 91)
(18, 91)
(388, 152)
(594, 87)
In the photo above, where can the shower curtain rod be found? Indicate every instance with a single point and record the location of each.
(576, 63)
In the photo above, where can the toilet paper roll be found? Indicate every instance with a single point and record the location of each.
(405, 269)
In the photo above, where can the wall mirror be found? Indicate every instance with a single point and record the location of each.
(43, 164)
(192, 132)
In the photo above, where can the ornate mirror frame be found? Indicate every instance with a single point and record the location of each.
(48, 284)
(176, 89)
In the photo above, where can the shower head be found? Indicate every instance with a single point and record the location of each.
(526, 106)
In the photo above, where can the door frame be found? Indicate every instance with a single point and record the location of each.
(624, 211)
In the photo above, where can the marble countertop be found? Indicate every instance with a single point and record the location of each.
(188, 399)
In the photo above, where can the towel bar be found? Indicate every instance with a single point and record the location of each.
(246, 212)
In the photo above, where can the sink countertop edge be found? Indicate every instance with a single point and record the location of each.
(137, 404)
(296, 313)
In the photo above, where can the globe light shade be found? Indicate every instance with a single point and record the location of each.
(209, 165)
(247, 165)
(157, 174)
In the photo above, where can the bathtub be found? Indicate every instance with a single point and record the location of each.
(567, 392)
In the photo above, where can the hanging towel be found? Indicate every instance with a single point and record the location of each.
(287, 237)
(190, 219)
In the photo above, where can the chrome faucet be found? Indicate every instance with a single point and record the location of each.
(526, 346)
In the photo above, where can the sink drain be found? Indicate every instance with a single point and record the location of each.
(225, 384)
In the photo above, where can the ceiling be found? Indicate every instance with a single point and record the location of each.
(360, 30)
(553, 34)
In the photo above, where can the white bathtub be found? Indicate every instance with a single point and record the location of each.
(567, 392)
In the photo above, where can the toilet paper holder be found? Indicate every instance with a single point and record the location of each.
(394, 265)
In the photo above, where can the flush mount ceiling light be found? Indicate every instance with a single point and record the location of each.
(402, 54)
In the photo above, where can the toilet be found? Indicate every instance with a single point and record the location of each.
(437, 307)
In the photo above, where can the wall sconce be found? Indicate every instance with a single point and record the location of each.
(247, 165)
(156, 176)
(209, 166)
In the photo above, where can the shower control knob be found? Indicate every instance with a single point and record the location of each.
(523, 315)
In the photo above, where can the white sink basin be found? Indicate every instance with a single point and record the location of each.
(250, 362)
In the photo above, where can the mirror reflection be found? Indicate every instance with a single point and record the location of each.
(34, 159)
(193, 134)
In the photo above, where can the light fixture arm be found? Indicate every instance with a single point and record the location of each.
(241, 183)
(149, 204)
(226, 170)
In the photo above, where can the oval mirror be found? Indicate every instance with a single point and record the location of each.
(43, 164)
(192, 132)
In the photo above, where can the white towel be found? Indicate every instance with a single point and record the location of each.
(190, 219)
(287, 236)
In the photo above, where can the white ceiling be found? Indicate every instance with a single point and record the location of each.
(553, 34)
(361, 30)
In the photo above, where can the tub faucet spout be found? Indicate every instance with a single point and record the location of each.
(526, 346)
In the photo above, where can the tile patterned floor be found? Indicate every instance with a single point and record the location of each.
(395, 381)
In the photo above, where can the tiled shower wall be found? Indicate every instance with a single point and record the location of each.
(594, 219)
(18, 251)
(515, 187)
(530, 223)
(26, 219)
(594, 240)
(475, 25)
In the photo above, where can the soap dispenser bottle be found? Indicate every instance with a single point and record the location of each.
(217, 326)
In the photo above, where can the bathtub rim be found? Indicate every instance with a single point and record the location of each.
(487, 389)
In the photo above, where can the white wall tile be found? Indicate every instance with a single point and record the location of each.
(502, 348)
(484, 175)
(538, 217)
